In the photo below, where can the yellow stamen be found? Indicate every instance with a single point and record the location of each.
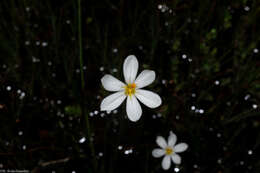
(168, 151)
(130, 89)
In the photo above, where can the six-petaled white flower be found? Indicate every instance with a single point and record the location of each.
(169, 150)
(131, 90)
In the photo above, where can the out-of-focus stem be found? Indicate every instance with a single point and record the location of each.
(84, 117)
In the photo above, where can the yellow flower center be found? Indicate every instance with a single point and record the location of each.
(168, 151)
(130, 89)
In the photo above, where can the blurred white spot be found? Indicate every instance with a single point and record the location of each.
(201, 111)
(44, 44)
(246, 8)
(77, 70)
(176, 169)
(195, 166)
(241, 162)
(95, 112)
(58, 102)
(184, 56)
(163, 81)
(24, 147)
(114, 70)
(20, 133)
(34, 60)
(8, 88)
(189, 59)
(128, 151)
(84, 67)
(115, 50)
(219, 161)
(193, 108)
(49, 63)
(163, 8)
(73, 172)
(4, 66)
(91, 114)
(101, 68)
(18, 91)
(22, 95)
(216, 82)
(27, 9)
(250, 152)
(102, 114)
(177, 117)
(193, 95)
(82, 140)
(108, 112)
(255, 50)
(218, 135)
(115, 111)
(254, 106)
(100, 154)
(120, 147)
(154, 116)
(247, 97)
(68, 21)
(27, 43)
(159, 115)
(37, 43)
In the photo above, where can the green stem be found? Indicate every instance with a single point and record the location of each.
(84, 116)
(80, 45)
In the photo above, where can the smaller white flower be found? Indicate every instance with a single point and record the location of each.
(169, 150)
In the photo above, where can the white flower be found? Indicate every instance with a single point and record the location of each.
(131, 90)
(169, 150)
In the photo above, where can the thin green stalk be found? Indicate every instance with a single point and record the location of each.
(84, 117)
(80, 45)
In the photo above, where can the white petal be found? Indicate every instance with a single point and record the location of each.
(161, 142)
(145, 78)
(110, 83)
(148, 98)
(158, 152)
(172, 139)
(166, 162)
(180, 147)
(130, 69)
(133, 108)
(112, 101)
(176, 159)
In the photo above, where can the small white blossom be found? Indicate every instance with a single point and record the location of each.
(131, 90)
(169, 150)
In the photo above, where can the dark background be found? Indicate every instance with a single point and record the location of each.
(206, 58)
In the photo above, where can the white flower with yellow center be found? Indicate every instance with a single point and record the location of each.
(169, 150)
(131, 90)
